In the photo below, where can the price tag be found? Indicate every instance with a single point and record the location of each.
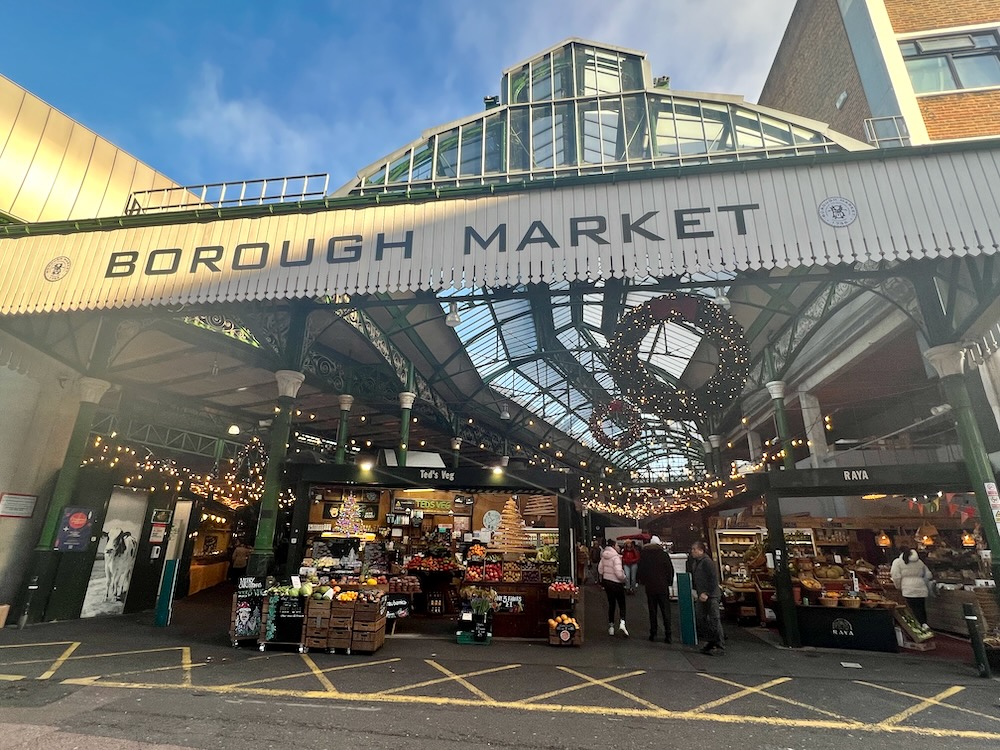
(296, 582)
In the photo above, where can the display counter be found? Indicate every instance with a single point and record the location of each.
(944, 610)
(207, 572)
(523, 610)
(866, 629)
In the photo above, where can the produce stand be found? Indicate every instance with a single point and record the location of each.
(564, 628)
(864, 628)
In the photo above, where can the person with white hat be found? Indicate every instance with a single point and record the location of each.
(656, 573)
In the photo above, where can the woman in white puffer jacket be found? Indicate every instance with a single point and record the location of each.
(612, 577)
(912, 578)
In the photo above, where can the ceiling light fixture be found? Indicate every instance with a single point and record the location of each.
(234, 429)
(504, 412)
(721, 299)
(452, 319)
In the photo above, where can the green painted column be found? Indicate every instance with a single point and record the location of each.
(949, 360)
(289, 382)
(346, 402)
(787, 619)
(776, 388)
(406, 399)
(456, 451)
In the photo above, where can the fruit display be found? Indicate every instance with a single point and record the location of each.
(563, 590)
(433, 564)
(511, 536)
(404, 585)
(347, 596)
(548, 553)
(563, 620)
(493, 571)
(810, 583)
(476, 551)
(829, 572)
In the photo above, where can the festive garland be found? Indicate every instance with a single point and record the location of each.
(633, 424)
(640, 384)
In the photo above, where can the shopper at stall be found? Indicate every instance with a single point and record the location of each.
(612, 577)
(705, 580)
(656, 573)
(630, 563)
(238, 561)
(913, 579)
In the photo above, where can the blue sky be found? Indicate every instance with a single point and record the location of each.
(215, 91)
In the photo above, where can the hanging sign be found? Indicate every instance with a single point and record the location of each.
(994, 497)
(74, 530)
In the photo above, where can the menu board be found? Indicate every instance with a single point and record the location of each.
(247, 603)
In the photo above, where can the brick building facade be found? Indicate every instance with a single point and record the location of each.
(927, 69)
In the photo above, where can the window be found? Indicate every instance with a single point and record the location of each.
(958, 61)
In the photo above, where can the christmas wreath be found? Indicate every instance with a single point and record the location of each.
(617, 410)
(640, 384)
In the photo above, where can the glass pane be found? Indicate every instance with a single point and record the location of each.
(399, 170)
(930, 74)
(608, 68)
(690, 133)
(472, 149)
(562, 73)
(718, 128)
(632, 74)
(447, 159)
(803, 136)
(776, 133)
(984, 41)
(978, 70)
(747, 129)
(519, 86)
(541, 80)
(612, 132)
(585, 84)
(946, 43)
(519, 140)
(504, 90)
(377, 178)
(664, 133)
(908, 48)
(564, 136)
(496, 140)
(541, 135)
(590, 133)
(422, 159)
(636, 130)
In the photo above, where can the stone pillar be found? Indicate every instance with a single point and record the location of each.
(456, 449)
(776, 389)
(346, 402)
(948, 360)
(812, 415)
(406, 399)
(289, 382)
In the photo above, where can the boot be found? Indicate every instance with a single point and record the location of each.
(621, 628)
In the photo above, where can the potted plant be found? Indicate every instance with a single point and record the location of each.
(482, 602)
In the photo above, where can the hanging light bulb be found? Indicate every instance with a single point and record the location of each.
(452, 319)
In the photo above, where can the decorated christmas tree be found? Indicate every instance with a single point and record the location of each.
(349, 518)
(510, 535)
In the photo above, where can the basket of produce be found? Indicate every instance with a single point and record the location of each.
(851, 602)
(829, 601)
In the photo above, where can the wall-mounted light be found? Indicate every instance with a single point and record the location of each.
(452, 319)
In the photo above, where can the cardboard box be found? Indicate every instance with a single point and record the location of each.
(5, 613)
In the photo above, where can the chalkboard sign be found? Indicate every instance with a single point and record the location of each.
(284, 619)
(247, 603)
(397, 606)
(510, 604)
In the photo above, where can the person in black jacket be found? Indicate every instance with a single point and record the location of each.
(656, 574)
(705, 581)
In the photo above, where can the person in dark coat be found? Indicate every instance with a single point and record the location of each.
(656, 574)
(705, 581)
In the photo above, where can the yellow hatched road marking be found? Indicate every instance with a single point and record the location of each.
(738, 694)
(921, 698)
(923, 705)
(186, 665)
(92, 678)
(781, 698)
(562, 691)
(324, 680)
(307, 674)
(60, 661)
(30, 645)
(439, 680)
(461, 681)
(11, 677)
(612, 688)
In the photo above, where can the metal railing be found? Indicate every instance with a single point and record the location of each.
(887, 132)
(228, 194)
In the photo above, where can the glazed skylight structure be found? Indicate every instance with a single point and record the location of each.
(581, 108)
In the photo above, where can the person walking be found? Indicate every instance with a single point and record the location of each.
(913, 579)
(630, 563)
(705, 580)
(656, 573)
(595, 558)
(582, 559)
(238, 561)
(611, 575)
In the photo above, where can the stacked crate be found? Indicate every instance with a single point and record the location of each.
(369, 625)
(341, 623)
(316, 628)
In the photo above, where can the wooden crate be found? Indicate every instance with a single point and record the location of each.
(575, 640)
(318, 608)
(341, 609)
(370, 611)
(363, 626)
(986, 598)
(341, 622)
(316, 643)
(370, 642)
(339, 638)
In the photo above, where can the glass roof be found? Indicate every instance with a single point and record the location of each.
(581, 108)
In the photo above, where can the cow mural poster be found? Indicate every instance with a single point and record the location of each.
(116, 552)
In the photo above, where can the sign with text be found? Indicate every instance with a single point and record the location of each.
(397, 606)
(247, 603)
(17, 506)
(74, 529)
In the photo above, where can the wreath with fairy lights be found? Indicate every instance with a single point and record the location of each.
(618, 411)
(640, 383)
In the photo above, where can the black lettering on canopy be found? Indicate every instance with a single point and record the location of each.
(739, 213)
(630, 227)
(544, 236)
(239, 265)
(683, 222)
(208, 256)
(173, 255)
(406, 244)
(121, 264)
(351, 252)
(499, 234)
(286, 262)
(577, 229)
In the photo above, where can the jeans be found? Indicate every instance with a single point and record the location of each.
(709, 622)
(616, 596)
(658, 602)
(918, 605)
(630, 575)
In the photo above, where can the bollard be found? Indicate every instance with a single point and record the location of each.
(976, 636)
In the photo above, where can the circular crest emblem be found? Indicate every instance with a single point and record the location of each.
(838, 212)
(57, 268)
